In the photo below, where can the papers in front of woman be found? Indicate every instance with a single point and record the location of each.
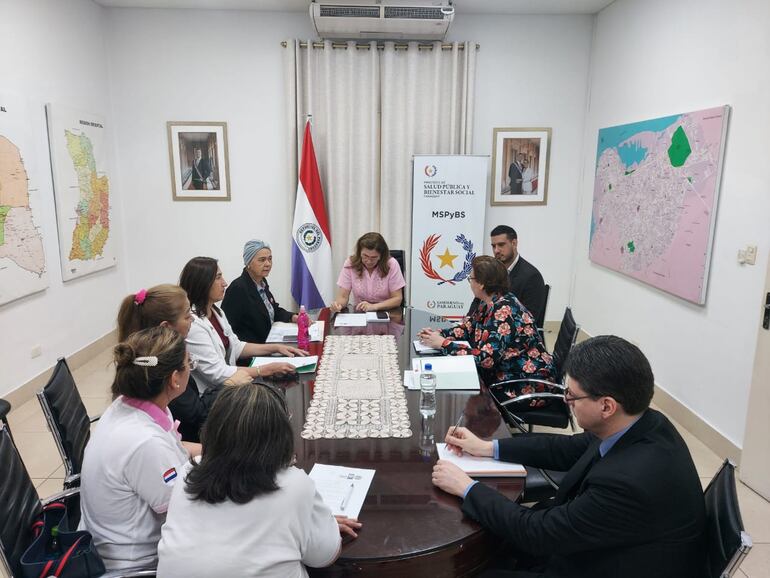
(477, 467)
(423, 349)
(282, 332)
(452, 372)
(302, 364)
(342, 489)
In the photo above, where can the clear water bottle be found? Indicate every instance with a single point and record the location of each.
(427, 391)
(303, 335)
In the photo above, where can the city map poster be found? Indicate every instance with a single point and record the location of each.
(82, 189)
(655, 199)
(22, 158)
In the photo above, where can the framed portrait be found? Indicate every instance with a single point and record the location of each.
(200, 169)
(520, 166)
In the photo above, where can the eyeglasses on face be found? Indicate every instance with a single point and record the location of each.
(469, 278)
(568, 397)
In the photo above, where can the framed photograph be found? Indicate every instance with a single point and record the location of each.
(200, 169)
(520, 166)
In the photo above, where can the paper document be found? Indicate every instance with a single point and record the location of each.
(452, 371)
(422, 349)
(302, 364)
(481, 467)
(342, 489)
(282, 332)
(350, 320)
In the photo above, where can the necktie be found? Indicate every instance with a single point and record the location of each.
(574, 478)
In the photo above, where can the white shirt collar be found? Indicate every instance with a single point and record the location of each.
(516, 260)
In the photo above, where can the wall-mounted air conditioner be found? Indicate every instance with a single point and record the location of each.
(382, 19)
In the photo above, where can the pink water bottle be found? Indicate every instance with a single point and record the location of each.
(303, 322)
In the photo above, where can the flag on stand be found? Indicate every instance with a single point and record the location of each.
(311, 253)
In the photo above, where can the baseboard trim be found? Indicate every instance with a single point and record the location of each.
(23, 394)
(694, 424)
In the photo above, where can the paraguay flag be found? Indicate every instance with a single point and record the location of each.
(311, 254)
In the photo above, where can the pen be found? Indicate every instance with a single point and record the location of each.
(459, 421)
(347, 497)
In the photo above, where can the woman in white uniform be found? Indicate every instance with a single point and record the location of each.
(213, 342)
(243, 507)
(134, 454)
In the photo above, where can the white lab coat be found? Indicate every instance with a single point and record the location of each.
(215, 365)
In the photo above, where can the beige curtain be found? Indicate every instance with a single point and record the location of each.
(372, 109)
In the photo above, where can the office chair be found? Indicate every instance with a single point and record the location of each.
(67, 419)
(726, 542)
(540, 318)
(5, 409)
(20, 506)
(398, 255)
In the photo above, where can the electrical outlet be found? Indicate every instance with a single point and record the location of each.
(37, 351)
(751, 254)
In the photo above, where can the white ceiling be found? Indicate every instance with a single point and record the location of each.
(462, 6)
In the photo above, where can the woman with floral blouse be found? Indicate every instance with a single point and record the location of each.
(501, 332)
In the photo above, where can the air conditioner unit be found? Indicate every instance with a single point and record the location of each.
(382, 19)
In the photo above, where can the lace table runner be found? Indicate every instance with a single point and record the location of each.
(358, 390)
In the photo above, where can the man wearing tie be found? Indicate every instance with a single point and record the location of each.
(631, 504)
(201, 170)
(515, 174)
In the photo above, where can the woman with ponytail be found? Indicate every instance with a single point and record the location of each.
(132, 458)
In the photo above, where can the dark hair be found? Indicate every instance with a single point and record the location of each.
(196, 279)
(504, 230)
(491, 274)
(246, 440)
(610, 366)
(145, 381)
(161, 303)
(373, 242)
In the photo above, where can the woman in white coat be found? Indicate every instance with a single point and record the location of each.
(212, 341)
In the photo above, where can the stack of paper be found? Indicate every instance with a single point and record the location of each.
(481, 467)
(350, 320)
(282, 332)
(302, 364)
(425, 350)
(342, 489)
(452, 372)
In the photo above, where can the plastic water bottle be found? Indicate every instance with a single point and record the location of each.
(303, 322)
(427, 391)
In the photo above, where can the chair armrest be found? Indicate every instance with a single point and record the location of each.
(59, 496)
(94, 418)
(131, 573)
(5, 409)
(532, 396)
(500, 384)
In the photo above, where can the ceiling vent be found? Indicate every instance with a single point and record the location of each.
(382, 19)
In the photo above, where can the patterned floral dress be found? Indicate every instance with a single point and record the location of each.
(504, 341)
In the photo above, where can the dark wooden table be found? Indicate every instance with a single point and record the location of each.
(410, 527)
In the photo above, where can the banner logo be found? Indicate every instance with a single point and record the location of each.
(430, 170)
(309, 237)
(447, 259)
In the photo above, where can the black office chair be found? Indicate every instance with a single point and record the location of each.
(67, 419)
(20, 506)
(540, 319)
(5, 409)
(398, 255)
(726, 542)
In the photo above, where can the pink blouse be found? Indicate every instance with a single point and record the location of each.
(371, 287)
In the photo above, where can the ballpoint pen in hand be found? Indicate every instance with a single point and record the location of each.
(459, 421)
(347, 496)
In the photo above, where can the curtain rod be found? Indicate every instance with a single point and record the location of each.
(381, 45)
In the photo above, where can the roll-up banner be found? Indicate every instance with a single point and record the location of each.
(449, 197)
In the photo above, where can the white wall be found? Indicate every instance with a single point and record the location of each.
(532, 71)
(654, 58)
(198, 65)
(54, 51)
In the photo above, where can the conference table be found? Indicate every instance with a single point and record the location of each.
(410, 527)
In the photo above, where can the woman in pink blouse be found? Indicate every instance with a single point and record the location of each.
(372, 276)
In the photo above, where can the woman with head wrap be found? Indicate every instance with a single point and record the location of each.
(248, 303)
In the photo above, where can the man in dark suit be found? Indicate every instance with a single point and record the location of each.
(631, 504)
(515, 174)
(525, 280)
(201, 170)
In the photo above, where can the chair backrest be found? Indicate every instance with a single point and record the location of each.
(398, 255)
(726, 542)
(566, 338)
(66, 416)
(540, 320)
(19, 504)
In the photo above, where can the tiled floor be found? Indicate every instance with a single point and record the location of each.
(94, 379)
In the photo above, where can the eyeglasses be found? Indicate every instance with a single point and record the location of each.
(568, 397)
(469, 278)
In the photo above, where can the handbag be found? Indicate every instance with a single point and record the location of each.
(68, 554)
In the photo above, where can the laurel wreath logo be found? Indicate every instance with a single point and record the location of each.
(427, 266)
